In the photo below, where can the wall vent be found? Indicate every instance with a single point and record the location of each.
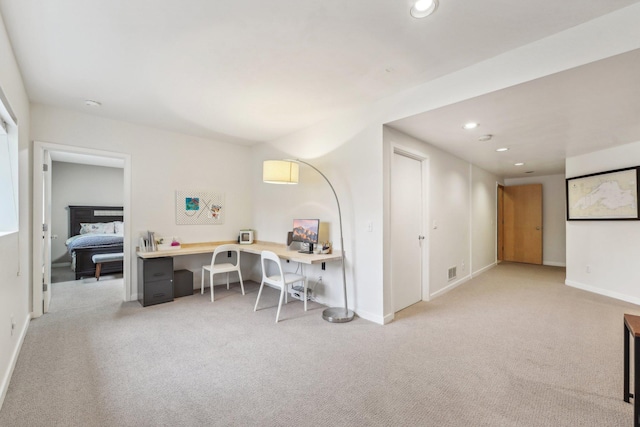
(452, 273)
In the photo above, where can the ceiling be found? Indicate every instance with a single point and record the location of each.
(541, 122)
(253, 71)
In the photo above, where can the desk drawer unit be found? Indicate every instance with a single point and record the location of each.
(155, 280)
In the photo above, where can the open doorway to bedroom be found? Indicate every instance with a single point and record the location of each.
(99, 181)
(82, 184)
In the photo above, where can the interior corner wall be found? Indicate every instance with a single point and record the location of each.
(162, 162)
(75, 184)
(609, 249)
(15, 248)
(554, 214)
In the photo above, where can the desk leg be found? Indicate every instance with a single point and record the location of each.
(636, 382)
(626, 363)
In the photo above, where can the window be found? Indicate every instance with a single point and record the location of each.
(8, 170)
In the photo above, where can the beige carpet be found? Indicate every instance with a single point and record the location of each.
(512, 347)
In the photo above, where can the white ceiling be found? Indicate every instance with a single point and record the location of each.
(541, 122)
(254, 71)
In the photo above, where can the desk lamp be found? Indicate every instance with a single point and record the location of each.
(286, 172)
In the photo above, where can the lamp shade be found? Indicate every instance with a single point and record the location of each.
(279, 172)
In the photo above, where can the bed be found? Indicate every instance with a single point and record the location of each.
(90, 234)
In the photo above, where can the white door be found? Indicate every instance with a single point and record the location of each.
(46, 231)
(406, 230)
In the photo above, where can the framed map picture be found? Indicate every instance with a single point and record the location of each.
(609, 195)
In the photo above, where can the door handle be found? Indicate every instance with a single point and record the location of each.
(538, 227)
(420, 237)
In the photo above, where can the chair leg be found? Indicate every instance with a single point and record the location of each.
(283, 291)
(98, 268)
(259, 293)
(211, 284)
(202, 283)
(241, 284)
(227, 281)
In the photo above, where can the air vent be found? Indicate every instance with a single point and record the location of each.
(452, 273)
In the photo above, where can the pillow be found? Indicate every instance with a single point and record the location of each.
(96, 228)
(118, 227)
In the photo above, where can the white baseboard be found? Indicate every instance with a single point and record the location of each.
(6, 379)
(380, 320)
(604, 292)
(450, 287)
(554, 264)
(483, 269)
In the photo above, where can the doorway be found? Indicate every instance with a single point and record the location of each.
(408, 277)
(41, 229)
(520, 223)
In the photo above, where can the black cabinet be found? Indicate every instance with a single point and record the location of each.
(155, 280)
(182, 283)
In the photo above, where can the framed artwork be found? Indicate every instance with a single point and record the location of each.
(199, 207)
(611, 195)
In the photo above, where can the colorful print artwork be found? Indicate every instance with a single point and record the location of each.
(192, 203)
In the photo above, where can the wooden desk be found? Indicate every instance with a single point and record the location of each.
(256, 248)
(632, 327)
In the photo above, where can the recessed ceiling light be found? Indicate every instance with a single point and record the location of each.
(92, 103)
(518, 164)
(470, 125)
(423, 8)
(500, 150)
(484, 138)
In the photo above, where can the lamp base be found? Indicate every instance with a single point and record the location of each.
(338, 315)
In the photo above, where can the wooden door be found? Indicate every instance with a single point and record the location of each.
(500, 254)
(523, 223)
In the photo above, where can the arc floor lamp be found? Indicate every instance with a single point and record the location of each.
(286, 172)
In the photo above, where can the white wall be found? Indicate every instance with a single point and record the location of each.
(161, 163)
(609, 248)
(75, 184)
(554, 216)
(484, 214)
(15, 248)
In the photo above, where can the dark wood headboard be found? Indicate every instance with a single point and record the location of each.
(79, 214)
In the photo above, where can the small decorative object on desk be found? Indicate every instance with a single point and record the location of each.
(326, 248)
(162, 246)
(152, 246)
(148, 242)
(167, 243)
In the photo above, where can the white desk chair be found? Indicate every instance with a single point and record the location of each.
(222, 267)
(280, 280)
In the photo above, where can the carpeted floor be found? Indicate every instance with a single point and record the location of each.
(512, 347)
